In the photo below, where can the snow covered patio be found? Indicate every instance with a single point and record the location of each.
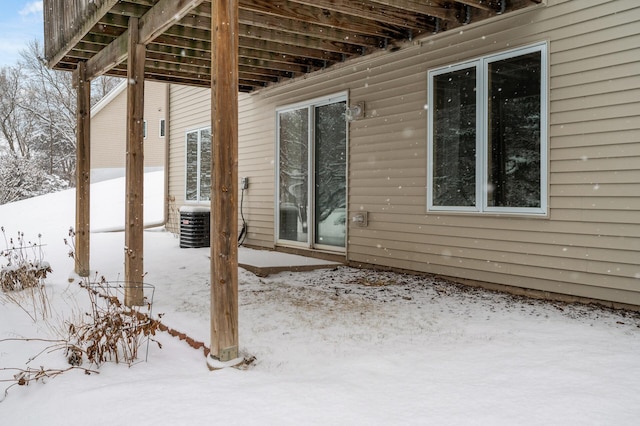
(342, 347)
(263, 263)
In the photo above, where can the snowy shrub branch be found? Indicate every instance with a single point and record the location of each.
(25, 264)
(112, 331)
(23, 377)
(22, 277)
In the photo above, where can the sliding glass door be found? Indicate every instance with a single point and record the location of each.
(312, 151)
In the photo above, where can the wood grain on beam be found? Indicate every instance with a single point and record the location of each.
(161, 16)
(424, 7)
(490, 5)
(134, 165)
(109, 57)
(381, 13)
(283, 9)
(224, 191)
(83, 173)
(308, 30)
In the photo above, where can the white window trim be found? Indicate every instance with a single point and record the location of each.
(481, 65)
(320, 101)
(198, 161)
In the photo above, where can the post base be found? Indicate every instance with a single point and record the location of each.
(216, 364)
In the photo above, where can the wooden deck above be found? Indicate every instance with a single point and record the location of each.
(279, 39)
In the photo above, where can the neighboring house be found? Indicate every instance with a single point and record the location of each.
(506, 152)
(108, 131)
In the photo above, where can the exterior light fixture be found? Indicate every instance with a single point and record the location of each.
(355, 112)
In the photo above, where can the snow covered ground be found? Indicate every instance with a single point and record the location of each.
(331, 347)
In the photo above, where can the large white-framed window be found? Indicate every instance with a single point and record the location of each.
(487, 138)
(198, 165)
(311, 173)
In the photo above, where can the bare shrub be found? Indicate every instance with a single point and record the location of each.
(25, 263)
(25, 376)
(22, 278)
(108, 331)
(111, 331)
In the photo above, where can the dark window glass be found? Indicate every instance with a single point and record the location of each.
(454, 138)
(514, 132)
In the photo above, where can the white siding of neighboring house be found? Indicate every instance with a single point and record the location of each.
(108, 131)
(588, 246)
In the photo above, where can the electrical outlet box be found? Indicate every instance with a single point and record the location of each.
(360, 219)
(244, 183)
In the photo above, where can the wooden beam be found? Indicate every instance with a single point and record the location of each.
(279, 47)
(163, 15)
(302, 42)
(291, 31)
(160, 17)
(269, 43)
(134, 180)
(129, 9)
(390, 15)
(109, 57)
(83, 173)
(179, 60)
(258, 58)
(284, 9)
(491, 5)
(425, 7)
(224, 191)
(254, 20)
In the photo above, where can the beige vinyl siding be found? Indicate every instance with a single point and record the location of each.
(190, 110)
(588, 245)
(108, 130)
(591, 238)
(256, 161)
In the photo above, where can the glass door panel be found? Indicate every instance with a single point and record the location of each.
(293, 203)
(330, 174)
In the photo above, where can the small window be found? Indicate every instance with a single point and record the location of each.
(487, 134)
(162, 128)
(198, 165)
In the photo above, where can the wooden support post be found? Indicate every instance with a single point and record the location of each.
(134, 180)
(224, 194)
(83, 172)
